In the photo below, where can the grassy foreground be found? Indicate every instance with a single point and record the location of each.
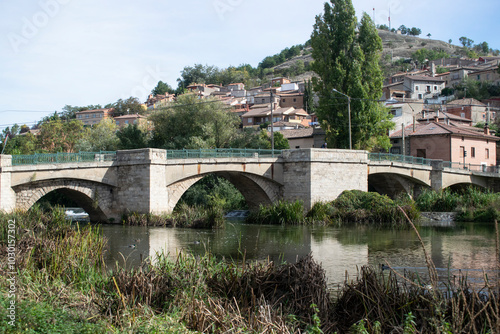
(61, 286)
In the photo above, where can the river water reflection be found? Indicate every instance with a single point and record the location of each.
(339, 250)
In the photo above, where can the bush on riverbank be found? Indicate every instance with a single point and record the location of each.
(351, 207)
(183, 216)
(472, 204)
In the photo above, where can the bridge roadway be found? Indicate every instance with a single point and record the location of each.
(145, 181)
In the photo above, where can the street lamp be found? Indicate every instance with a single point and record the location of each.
(349, 112)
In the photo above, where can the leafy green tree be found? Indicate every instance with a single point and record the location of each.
(414, 31)
(59, 136)
(130, 106)
(132, 137)
(162, 88)
(21, 144)
(466, 42)
(383, 27)
(190, 123)
(200, 74)
(429, 35)
(403, 29)
(348, 62)
(309, 97)
(100, 137)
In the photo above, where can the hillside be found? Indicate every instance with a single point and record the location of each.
(395, 46)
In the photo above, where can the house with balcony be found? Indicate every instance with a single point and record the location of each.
(423, 87)
(92, 117)
(258, 116)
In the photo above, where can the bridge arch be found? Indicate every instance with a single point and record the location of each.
(392, 184)
(255, 189)
(93, 197)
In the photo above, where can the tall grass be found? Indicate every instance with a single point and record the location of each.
(472, 204)
(183, 216)
(282, 212)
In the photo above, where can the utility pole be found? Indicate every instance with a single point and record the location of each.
(272, 121)
(403, 138)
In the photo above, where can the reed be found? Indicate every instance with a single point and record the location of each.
(282, 212)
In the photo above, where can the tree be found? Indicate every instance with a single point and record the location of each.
(449, 41)
(130, 106)
(414, 31)
(132, 137)
(59, 136)
(309, 97)
(403, 29)
(348, 62)
(100, 137)
(383, 27)
(162, 88)
(190, 123)
(466, 42)
(429, 35)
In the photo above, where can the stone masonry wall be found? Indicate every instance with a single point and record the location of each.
(322, 175)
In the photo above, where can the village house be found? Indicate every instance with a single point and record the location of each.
(403, 113)
(155, 102)
(125, 120)
(203, 90)
(423, 87)
(91, 117)
(447, 142)
(257, 116)
(291, 99)
(471, 109)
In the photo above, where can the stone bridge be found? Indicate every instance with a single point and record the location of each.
(145, 181)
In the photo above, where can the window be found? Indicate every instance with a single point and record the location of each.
(87, 116)
(118, 123)
(479, 77)
(487, 153)
(283, 100)
(462, 151)
(294, 100)
(263, 100)
(126, 121)
(94, 115)
(435, 88)
(428, 88)
(250, 120)
(395, 150)
(462, 115)
(420, 96)
(472, 152)
(416, 88)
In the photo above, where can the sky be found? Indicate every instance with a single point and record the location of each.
(80, 52)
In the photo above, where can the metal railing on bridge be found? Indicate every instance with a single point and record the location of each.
(222, 153)
(471, 167)
(59, 158)
(399, 158)
(427, 162)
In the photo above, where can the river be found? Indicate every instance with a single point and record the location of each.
(470, 247)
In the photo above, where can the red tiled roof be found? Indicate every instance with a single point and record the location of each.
(434, 128)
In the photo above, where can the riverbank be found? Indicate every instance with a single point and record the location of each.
(62, 286)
